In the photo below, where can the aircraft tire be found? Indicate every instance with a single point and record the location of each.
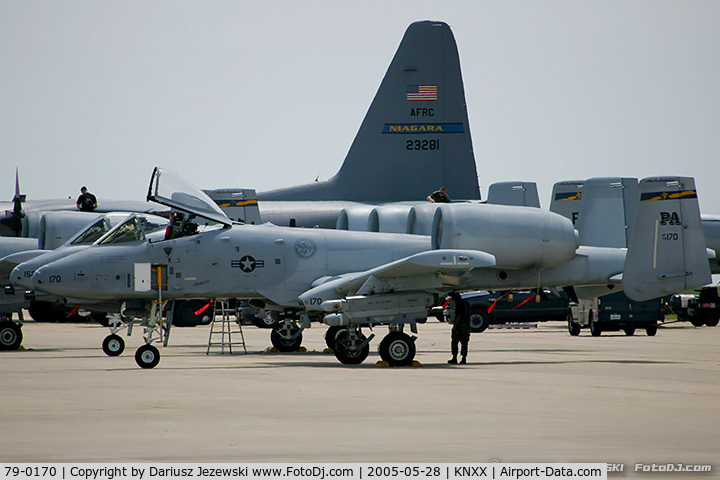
(696, 321)
(184, 314)
(595, 329)
(713, 322)
(629, 331)
(44, 312)
(479, 321)
(113, 345)
(282, 337)
(346, 349)
(147, 356)
(651, 331)
(397, 349)
(573, 328)
(101, 318)
(10, 335)
(331, 335)
(263, 322)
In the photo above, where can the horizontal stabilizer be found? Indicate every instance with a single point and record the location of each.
(667, 251)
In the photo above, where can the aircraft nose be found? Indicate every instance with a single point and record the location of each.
(43, 278)
(22, 276)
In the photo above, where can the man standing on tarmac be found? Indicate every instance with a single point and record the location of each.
(460, 330)
(86, 202)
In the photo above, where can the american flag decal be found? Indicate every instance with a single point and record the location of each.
(422, 93)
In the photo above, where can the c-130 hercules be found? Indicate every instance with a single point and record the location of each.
(353, 280)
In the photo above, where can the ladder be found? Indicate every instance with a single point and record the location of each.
(225, 329)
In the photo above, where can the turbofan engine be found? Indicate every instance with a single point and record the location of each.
(518, 237)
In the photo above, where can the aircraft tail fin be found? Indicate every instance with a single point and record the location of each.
(565, 199)
(607, 210)
(415, 137)
(521, 194)
(667, 251)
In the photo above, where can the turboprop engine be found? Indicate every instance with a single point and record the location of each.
(518, 237)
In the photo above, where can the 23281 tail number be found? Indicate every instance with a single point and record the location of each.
(422, 145)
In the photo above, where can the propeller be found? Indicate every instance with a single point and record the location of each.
(13, 219)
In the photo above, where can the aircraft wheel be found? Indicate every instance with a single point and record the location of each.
(595, 329)
(147, 356)
(697, 322)
(46, 312)
(263, 322)
(347, 347)
(113, 345)
(10, 335)
(397, 348)
(479, 321)
(629, 331)
(101, 318)
(331, 335)
(185, 313)
(651, 331)
(573, 328)
(283, 336)
(713, 322)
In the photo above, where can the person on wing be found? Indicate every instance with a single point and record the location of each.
(460, 330)
(86, 202)
(439, 196)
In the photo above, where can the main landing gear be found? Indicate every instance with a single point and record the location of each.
(286, 335)
(351, 346)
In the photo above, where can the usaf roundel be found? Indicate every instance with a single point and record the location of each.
(305, 248)
(247, 264)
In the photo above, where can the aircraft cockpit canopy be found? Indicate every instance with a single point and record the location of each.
(130, 230)
(102, 225)
(168, 189)
(92, 233)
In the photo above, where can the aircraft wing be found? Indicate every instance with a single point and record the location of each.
(421, 271)
(435, 261)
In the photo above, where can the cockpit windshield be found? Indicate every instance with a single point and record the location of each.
(92, 233)
(129, 231)
(168, 189)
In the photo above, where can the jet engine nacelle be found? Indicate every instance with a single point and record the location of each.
(55, 228)
(421, 218)
(388, 219)
(354, 218)
(391, 219)
(518, 237)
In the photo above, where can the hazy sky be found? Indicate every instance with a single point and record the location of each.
(270, 94)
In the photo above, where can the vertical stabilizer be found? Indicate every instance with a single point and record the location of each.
(667, 250)
(607, 210)
(415, 137)
(519, 194)
(565, 199)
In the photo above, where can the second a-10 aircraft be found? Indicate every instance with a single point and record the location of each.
(353, 280)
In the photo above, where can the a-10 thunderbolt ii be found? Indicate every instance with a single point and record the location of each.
(355, 280)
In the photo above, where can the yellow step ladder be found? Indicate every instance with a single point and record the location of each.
(225, 329)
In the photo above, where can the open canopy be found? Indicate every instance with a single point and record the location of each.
(168, 189)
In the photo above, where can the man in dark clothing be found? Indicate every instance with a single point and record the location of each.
(86, 202)
(439, 196)
(461, 329)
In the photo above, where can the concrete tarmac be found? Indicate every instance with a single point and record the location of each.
(535, 395)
